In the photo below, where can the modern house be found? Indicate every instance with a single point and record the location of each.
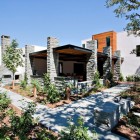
(73, 61)
(120, 41)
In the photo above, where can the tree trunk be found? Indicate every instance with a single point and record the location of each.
(13, 82)
(68, 92)
(34, 92)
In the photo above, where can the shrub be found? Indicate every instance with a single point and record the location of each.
(121, 78)
(52, 94)
(21, 126)
(35, 83)
(47, 80)
(76, 132)
(133, 78)
(23, 84)
(96, 80)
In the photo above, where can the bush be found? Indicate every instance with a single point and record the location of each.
(53, 95)
(96, 80)
(23, 84)
(121, 78)
(133, 78)
(76, 132)
(35, 83)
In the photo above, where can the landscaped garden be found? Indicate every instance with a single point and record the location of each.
(129, 125)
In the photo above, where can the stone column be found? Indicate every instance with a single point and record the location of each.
(107, 66)
(92, 62)
(117, 65)
(52, 58)
(29, 62)
(5, 42)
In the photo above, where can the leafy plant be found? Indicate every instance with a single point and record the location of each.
(52, 94)
(21, 126)
(13, 58)
(96, 80)
(76, 131)
(121, 78)
(36, 87)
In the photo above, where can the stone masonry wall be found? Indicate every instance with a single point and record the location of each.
(52, 58)
(92, 62)
(28, 62)
(107, 66)
(117, 65)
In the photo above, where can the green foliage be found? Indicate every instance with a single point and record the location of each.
(133, 78)
(21, 126)
(49, 88)
(96, 80)
(76, 132)
(13, 57)
(52, 94)
(121, 78)
(44, 135)
(47, 80)
(35, 83)
(4, 102)
(129, 9)
(23, 84)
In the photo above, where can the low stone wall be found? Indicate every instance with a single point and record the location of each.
(107, 115)
(78, 87)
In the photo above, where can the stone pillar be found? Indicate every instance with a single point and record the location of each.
(52, 58)
(92, 62)
(29, 62)
(117, 65)
(5, 42)
(107, 66)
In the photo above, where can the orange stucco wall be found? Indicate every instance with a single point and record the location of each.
(102, 40)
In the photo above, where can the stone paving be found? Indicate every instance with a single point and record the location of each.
(56, 119)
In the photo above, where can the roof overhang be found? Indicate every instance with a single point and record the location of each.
(39, 54)
(72, 49)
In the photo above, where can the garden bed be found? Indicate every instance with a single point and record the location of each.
(129, 125)
(41, 98)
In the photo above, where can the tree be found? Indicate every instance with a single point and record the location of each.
(130, 10)
(13, 58)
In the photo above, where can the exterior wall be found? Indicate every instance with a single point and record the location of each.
(126, 44)
(107, 66)
(29, 62)
(40, 66)
(92, 62)
(102, 40)
(117, 65)
(84, 44)
(52, 58)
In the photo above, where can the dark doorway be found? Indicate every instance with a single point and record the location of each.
(16, 77)
(100, 66)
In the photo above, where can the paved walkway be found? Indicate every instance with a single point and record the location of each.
(56, 119)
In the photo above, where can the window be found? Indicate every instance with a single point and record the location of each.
(108, 41)
(138, 50)
(83, 45)
(6, 76)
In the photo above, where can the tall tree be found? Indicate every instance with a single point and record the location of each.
(13, 58)
(130, 10)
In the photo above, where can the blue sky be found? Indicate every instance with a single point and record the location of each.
(32, 21)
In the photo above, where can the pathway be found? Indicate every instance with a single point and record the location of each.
(56, 119)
